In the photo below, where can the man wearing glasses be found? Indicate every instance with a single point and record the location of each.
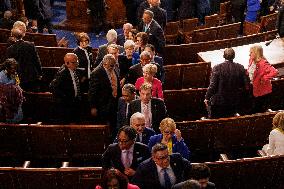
(127, 154)
(66, 90)
(162, 170)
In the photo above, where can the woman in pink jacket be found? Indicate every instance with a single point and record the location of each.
(260, 74)
(149, 71)
(114, 179)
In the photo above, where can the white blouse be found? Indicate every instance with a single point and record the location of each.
(276, 143)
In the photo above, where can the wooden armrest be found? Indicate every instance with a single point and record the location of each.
(224, 157)
(26, 164)
(237, 115)
(269, 110)
(261, 153)
(65, 164)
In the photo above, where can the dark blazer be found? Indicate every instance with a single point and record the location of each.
(158, 110)
(27, 57)
(62, 86)
(120, 40)
(228, 81)
(161, 74)
(146, 176)
(181, 185)
(112, 156)
(100, 93)
(156, 35)
(83, 61)
(146, 134)
(160, 15)
(121, 113)
(103, 51)
(141, 8)
(280, 21)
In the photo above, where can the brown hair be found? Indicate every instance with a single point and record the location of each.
(278, 121)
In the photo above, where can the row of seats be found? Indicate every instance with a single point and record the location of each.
(181, 54)
(52, 142)
(50, 178)
(183, 76)
(209, 138)
(248, 173)
(48, 40)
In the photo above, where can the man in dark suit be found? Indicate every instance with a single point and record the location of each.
(189, 184)
(65, 88)
(154, 109)
(126, 155)
(136, 71)
(121, 38)
(154, 30)
(201, 173)
(162, 170)
(227, 84)
(137, 121)
(103, 50)
(160, 15)
(26, 55)
(104, 91)
(128, 95)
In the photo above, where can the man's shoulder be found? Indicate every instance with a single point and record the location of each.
(157, 101)
(113, 146)
(149, 131)
(135, 67)
(140, 145)
(135, 102)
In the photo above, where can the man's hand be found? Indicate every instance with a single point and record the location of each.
(178, 135)
(206, 102)
(129, 172)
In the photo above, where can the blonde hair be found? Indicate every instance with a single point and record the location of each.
(168, 123)
(278, 121)
(111, 36)
(145, 86)
(150, 68)
(258, 52)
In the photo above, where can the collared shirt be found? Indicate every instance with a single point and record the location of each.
(143, 107)
(74, 81)
(130, 154)
(170, 172)
(89, 62)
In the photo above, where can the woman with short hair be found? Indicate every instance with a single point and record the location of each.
(149, 71)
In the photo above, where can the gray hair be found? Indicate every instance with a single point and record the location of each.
(145, 53)
(136, 115)
(108, 58)
(111, 36)
(128, 44)
(158, 147)
(128, 25)
(150, 13)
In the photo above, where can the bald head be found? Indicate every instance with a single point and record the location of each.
(71, 61)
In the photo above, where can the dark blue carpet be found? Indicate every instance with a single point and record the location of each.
(59, 14)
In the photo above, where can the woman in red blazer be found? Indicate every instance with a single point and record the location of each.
(260, 74)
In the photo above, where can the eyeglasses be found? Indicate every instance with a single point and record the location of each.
(122, 141)
(167, 132)
(162, 157)
(74, 62)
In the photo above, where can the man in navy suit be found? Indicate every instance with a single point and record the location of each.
(121, 38)
(65, 88)
(154, 30)
(162, 170)
(137, 121)
(155, 107)
(128, 95)
(126, 155)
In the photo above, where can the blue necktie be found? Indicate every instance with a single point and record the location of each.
(167, 179)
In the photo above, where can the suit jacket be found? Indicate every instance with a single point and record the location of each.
(156, 35)
(280, 21)
(100, 92)
(27, 57)
(178, 146)
(120, 40)
(121, 113)
(228, 81)
(161, 74)
(181, 185)
(158, 110)
(83, 61)
(146, 176)
(62, 86)
(186, 9)
(103, 51)
(146, 134)
(160, 15)
(112, 156)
